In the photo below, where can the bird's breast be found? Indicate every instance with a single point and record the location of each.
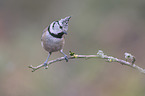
(50, 43)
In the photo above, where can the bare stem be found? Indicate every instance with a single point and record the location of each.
(100, 54)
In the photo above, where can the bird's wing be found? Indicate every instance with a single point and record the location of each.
(44, 32)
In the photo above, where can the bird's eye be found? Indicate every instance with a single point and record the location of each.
(60, 27)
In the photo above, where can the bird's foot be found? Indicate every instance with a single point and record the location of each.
(66, 58)
(45, 65)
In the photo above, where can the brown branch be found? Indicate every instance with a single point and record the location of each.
(101, 55)
(61, 59)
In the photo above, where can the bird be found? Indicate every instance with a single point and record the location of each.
(53, 38)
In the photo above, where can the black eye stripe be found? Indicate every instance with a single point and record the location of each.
(59, 25)
(53, 24)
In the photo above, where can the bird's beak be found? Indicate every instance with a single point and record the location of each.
(65, 32)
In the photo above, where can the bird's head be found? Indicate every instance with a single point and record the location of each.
(61, 26)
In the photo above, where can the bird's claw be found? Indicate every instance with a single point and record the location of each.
(66, 58)
(45, 65)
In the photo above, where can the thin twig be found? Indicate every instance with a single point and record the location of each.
(101, 55)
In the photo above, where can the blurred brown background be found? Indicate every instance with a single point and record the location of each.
(114, 26)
